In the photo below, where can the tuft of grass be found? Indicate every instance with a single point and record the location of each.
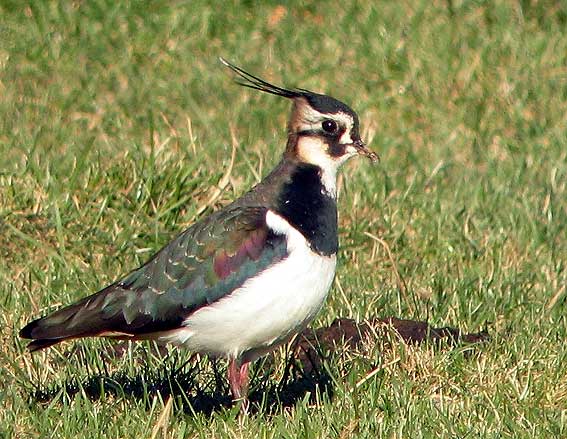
(116, 122)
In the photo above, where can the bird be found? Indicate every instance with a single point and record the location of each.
(250, 276)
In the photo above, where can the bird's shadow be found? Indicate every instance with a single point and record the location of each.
(195, 392)
(199, 389)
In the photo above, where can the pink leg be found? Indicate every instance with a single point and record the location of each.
(238, 380)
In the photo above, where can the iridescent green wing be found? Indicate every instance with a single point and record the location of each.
(203, 264)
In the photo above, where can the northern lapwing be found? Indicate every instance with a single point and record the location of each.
(247, 278)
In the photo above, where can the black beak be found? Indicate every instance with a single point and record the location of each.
(363, 150)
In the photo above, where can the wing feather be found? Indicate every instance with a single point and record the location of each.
(203, 264)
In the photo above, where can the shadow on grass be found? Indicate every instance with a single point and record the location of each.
(305, 374)
(195, 393)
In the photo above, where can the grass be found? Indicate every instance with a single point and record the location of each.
(116, 122)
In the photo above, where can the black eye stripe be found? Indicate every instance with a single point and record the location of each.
(341, 130)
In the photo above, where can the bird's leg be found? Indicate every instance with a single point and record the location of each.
(238, 380)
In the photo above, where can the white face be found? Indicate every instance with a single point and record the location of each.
(315, 145)
(314, 150)
(324, 140)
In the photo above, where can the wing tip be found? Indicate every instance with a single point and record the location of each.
(41, 343)
(27, 331)
(37, 343)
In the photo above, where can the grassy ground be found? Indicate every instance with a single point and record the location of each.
(116, 122)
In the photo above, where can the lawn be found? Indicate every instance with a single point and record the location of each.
(119, 128)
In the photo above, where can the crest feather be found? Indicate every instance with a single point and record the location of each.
(248, 80)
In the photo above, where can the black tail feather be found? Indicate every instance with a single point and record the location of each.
(42, 343)
(31, 330)
(101, 314)
(81, 319)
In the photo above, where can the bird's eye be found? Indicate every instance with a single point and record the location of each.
(330, 126)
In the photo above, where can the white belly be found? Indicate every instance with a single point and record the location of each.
(266, 310)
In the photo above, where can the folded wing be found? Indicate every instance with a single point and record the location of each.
(203, 264)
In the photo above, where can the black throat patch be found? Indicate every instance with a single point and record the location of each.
(307, 206)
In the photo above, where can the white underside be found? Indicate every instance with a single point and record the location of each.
(268, 309)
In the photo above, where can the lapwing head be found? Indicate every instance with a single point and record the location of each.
(322, 130)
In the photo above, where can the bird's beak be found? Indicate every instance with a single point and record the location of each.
(363, 150)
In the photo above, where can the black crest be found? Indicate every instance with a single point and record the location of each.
(322, 103)
(248, 80)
